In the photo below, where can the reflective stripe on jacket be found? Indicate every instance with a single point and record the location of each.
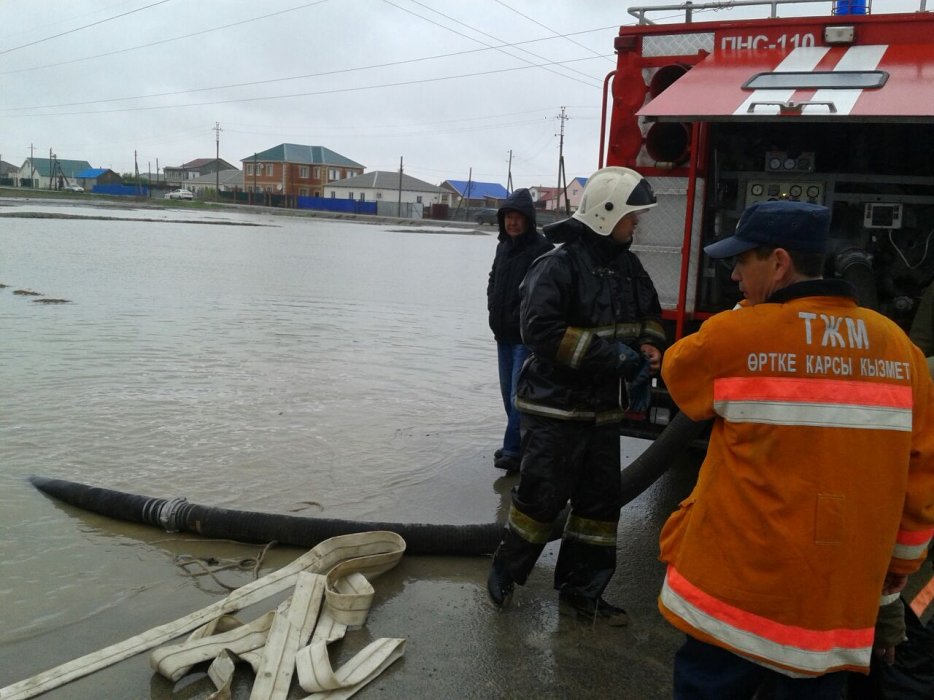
(919, 593)
(819, 478)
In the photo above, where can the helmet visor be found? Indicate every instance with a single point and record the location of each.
(641, 195)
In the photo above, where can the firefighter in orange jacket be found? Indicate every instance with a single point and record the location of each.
(816, 497)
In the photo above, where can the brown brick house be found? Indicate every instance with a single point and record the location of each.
(296, 171)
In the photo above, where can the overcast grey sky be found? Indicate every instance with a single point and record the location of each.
(447, 85)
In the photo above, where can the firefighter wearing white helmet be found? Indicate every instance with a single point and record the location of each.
(590, 315)
(611, 194)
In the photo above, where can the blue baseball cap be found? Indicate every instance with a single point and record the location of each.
(780, 223)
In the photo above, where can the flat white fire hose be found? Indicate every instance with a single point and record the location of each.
(335, 570)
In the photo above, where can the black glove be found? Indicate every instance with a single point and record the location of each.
(631, 363)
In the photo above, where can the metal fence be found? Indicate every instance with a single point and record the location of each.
(345, 206)
(122, 190)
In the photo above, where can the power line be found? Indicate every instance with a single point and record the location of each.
(537, 56)
(416, 131)
(317, 93)
(461, 34)
(557, 34)
(266, 81)
(86, 26)
(381, 127)
(161, 41)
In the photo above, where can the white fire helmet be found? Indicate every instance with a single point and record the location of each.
(609, 195)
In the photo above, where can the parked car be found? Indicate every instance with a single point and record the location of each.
(487, 216)
(73, 188)
(179, 194)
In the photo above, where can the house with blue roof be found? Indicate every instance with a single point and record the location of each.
(470, 193)
(296, 170)
(552, 198)
(89, 177)
(576, 191)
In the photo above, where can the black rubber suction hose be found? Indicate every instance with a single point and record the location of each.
(178, 515)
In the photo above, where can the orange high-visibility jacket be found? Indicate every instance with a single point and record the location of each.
(818, 479)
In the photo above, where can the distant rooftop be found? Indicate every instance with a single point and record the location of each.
(43, 166)
(478, 190)
(296, 153)
(91, 173)
(387, 180)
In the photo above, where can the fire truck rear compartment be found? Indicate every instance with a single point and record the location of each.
(876, 177)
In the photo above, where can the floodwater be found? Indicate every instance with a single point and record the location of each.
(287, 365)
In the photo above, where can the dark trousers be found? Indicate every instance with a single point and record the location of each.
(707, 672)
(562, 461)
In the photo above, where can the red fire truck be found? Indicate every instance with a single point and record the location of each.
(836, 109)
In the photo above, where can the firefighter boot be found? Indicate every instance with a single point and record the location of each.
(507, 463)
(592, 609)
(500, 584)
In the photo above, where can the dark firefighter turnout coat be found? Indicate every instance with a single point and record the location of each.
(578, 302)
(512, 261)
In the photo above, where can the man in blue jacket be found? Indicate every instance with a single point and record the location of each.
(519, 244)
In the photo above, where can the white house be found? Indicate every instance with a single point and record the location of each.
(387, 189)
(50, 173)
(228, 180)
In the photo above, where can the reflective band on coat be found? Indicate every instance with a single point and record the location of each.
(805, 650)
(912, 544)
(576, 341)
(919, 604)
(655, 330)
(601, 533)
(527, 528)
(573, 346)
(814, 402)
(614, 415)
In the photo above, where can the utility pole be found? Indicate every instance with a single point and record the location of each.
(561, 175)
(466, 195)
(32, 167)
(469, 191)
(51, 170)
(139, 190)
(217, 160)
(509, 184)
(399, 209)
